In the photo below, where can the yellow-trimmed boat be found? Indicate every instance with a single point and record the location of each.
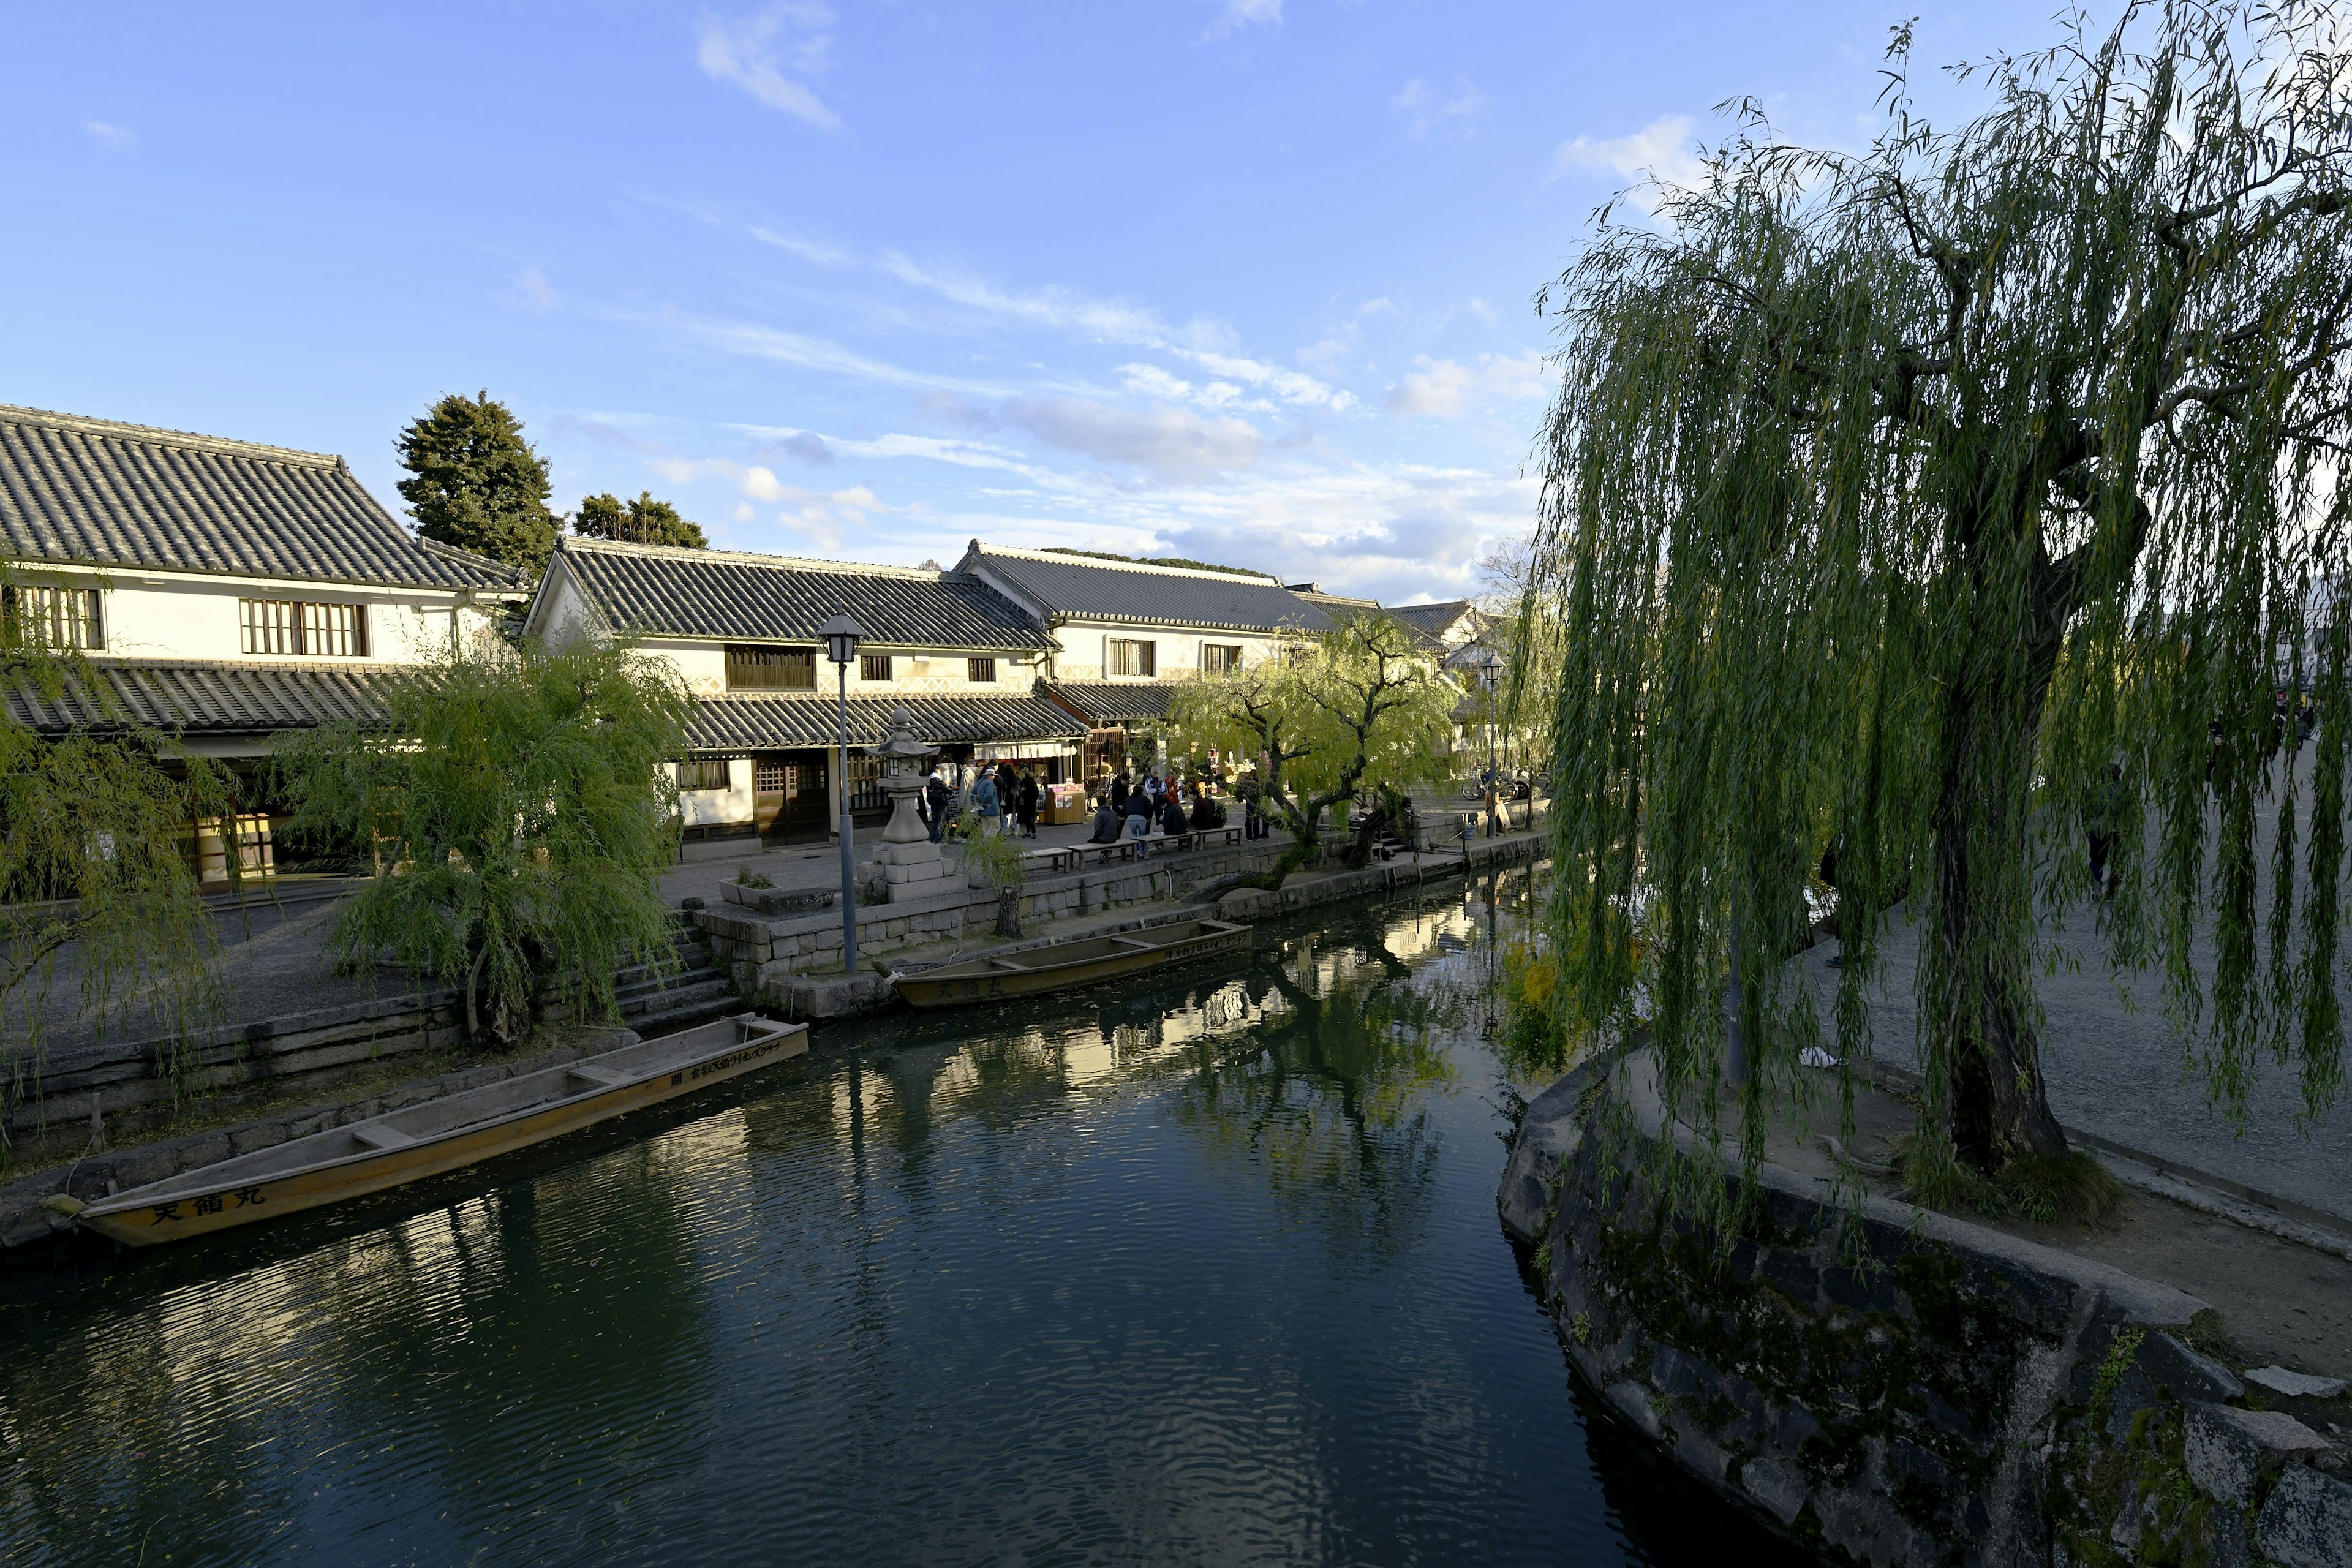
(440, 1135)
(1059, 965)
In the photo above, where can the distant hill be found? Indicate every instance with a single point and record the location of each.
(1156, 560)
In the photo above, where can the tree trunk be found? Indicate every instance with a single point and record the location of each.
(1978, 980)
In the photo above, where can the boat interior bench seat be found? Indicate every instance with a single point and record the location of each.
(600, 1078)
(377, 1136)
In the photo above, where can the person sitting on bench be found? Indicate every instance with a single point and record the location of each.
(1107, 825)
(1172, 816)
(1204, 810)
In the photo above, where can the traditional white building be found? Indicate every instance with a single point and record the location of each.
(1124, 635)
(741, 629)
(223, 590)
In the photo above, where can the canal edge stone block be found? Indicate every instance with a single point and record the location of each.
(1964, 1394)
(2307, 1522)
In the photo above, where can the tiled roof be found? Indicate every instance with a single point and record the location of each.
(1114, 702)
(1431, 620)
(1162, 595)
(94, 492)
(197, 696)
(757, 724)
(720, 593)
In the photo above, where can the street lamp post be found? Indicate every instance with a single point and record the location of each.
(842, 635)
(1491, 666)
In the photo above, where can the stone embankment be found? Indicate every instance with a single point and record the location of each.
(1895, 1386)
(61, 1099)
(24, 1218)
(792, 962)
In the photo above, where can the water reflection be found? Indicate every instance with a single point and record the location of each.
(1203, 1269)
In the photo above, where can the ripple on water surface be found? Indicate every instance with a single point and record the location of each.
(1202, 1270)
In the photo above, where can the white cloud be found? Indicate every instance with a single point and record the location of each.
(1445, 389)
(1116, 321)
(756, 341)
(760, 484)
(1170, 442)
(826, 517)
(114, 138)
(1154, 382)
(807, 249)
(532, 292)
(1659, 151)
(770, 54)
(1426, 111)
(743, 511)
(1232, 14)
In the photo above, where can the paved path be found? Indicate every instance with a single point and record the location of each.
(2119, 1072)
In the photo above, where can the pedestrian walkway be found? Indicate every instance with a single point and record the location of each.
(2118, 1071)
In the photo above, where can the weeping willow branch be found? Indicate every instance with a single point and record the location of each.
(1934, 504)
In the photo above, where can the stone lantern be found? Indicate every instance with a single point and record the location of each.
(911, 864)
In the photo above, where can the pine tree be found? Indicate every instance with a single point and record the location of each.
(478, 484)
(643, 521)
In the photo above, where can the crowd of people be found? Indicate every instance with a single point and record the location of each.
(1001, 797)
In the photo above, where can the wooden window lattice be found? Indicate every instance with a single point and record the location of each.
(310, 630)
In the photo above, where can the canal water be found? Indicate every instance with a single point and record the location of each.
(1202, 1270)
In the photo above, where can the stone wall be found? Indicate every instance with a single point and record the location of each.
(25, 1219)
(1891, 1386)
(125, 1084)
(793, 963)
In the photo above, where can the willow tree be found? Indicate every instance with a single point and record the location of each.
(1893, 497)
(520, 808)
(1359, 707)
(96, 815)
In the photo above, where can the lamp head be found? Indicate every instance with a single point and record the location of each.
(842, 635)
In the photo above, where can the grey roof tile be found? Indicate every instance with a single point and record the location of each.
(1105, 590)
(1116, 702)
(721, 593)
(97, 492)
(758, 723)
(203, 697)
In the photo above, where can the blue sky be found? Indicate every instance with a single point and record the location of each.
(1245, 280)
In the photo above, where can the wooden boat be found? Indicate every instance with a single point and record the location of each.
(1059, 965)
(439, 1135)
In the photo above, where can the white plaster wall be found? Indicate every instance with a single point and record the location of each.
(702, 665)
(1085, 649)
(173, 617)
(708, 807)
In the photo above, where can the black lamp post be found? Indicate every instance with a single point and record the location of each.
(842, 635)
(1491, 669)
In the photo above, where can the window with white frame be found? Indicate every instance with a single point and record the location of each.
(1130, 657)
(874, 667)
(1220, 658)
(704, 772)
(980, 671)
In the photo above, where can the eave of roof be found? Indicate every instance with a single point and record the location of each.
(729, 596)
(201, 697)
(77, 491)
(1066, 588)
(1113, 702)
(740, 722)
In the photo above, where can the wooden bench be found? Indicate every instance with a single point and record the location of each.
(1074, 857)
(1193, 838)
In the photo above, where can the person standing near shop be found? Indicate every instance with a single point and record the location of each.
(937, 799)
(1027, 802)
(984, 802)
